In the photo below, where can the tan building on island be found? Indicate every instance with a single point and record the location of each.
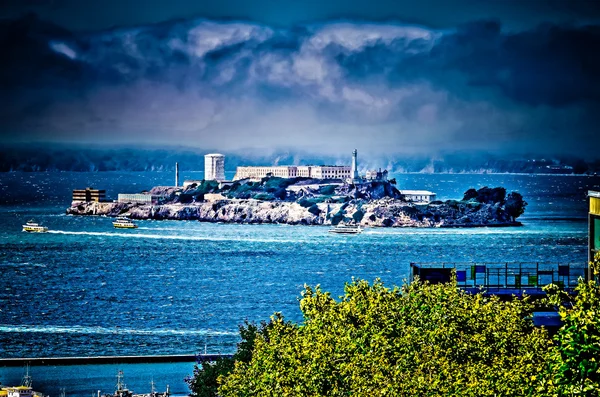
(89, 194)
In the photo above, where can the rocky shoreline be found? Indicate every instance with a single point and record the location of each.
(384, 212)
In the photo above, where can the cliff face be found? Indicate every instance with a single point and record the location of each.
(387, 212)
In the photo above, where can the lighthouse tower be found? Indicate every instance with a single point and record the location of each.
(354, 170)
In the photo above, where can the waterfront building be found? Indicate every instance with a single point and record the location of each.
(594, 227)
(89, 194)
(418, 196)
(214, 167)
(141, 198)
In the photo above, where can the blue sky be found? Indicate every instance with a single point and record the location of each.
(390, 77)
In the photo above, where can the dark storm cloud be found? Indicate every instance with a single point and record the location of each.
(385, 87)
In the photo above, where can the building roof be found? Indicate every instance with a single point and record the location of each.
(214, 155)
(417, 192)
(592, 193)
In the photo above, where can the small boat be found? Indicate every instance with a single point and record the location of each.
(34, 227)
(346, 229)
(124, 223)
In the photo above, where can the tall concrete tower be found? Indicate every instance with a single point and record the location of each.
(355, 165)
(214, 167)
(176, 174)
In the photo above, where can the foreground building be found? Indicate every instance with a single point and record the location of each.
(594, 227)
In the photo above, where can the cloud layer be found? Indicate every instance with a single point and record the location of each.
(385, 88)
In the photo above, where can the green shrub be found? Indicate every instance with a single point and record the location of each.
(264, 197)
(358, 216)
(314, 209)
(327, 190)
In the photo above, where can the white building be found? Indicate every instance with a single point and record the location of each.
(418, 196)
(306, 171)
(214, 167)
(140, 198)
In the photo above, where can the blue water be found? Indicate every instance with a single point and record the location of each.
(176, 287)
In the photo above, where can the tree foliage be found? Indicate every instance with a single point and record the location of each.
(515, 205)
(420, 339)
(575, 361)
(205, 380)
(486, 195)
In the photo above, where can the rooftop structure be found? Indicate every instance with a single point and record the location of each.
(89, 194)
(214, 167)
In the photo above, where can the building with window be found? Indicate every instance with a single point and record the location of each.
(305, 171)
(418, 196)
(594, 227)
(89, 194)
(140, 198)
(214, 167)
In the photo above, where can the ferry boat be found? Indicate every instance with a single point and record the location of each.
(346, 229)
(124, 223)
(34, 227)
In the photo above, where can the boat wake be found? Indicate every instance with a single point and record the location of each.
(183, 238)
(76, 329)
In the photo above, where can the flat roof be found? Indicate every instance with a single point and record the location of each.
(592, 193)
(419, 192)
(214, 154)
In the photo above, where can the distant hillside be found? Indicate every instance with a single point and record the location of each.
(40, 158)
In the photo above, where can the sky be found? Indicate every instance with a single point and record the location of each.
(388, 77)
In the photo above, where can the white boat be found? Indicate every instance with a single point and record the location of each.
(346, 229)
(124, 223)
(34, 227)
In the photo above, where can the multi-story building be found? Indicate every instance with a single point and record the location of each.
(214, 167)
(89, 194)
(306, 171)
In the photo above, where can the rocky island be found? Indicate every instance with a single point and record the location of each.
(306, 201)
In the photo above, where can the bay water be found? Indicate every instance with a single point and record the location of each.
(184, 287)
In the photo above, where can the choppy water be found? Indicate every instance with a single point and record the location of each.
(175, 287)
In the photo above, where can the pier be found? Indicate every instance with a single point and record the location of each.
(19, 362)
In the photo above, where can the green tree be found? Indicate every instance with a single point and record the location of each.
(515, 205)
(205, 380)
(575, 361)
(417, 340)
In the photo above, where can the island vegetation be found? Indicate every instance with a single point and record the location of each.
(417, 340)
(316, 202)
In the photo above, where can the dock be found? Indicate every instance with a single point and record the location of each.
(51, 361)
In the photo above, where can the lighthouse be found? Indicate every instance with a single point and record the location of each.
(354, 170)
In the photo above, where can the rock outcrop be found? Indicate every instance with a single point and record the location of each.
(385, 212)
